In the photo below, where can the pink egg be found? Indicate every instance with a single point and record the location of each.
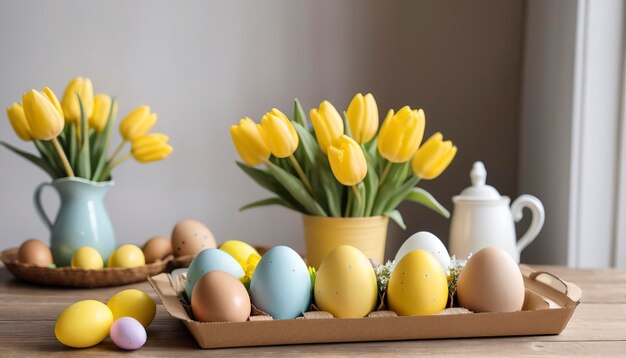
(128, 333)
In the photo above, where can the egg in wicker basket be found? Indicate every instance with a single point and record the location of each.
(78, 277)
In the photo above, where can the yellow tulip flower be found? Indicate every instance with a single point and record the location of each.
(43, 117)
(279, 134)
(433, 157)
(101, 107)
(151, 147)
(82, 87)
(327, 124)
(18, 122)
(401, 134)
(137, 123)
(249, 142)
(362, 115)
(347, 161)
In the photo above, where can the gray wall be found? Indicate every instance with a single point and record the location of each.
(202, 65)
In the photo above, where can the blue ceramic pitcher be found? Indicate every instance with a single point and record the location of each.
(81, 221)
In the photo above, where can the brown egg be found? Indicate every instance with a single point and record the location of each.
(189, 237)
(157, 248)
(35, 252)
(491, 281)
(219, 297)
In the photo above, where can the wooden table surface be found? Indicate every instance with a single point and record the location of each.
(598, 327)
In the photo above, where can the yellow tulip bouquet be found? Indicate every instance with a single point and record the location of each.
(343, 166)
(72, 136)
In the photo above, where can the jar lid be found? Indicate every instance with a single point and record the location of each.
(479, 189)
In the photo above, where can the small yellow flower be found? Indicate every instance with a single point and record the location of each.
(312, 276)
(279, 134)
(18, 122)
(433, 157)
(249, 142)
(248, 267)
(83, 88)
(327, 124)
(101, 108)
(362, 115)
(137, 123)
(347, 161)
(43, 117)
(151, 147)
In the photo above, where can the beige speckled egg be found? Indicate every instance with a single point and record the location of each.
(157, 248)
(34, 252)
(189, 237)
(491, 281)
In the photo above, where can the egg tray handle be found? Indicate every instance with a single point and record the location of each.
(533, 276)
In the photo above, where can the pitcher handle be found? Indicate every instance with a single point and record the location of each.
(539, 216)
(40, 211)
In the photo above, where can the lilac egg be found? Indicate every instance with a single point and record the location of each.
(128, 333)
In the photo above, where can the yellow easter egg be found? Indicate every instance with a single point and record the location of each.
(133, 303)
(87, 258)
(345, 285)
(418, 285)
(239, 250)
(83, 324)
(127, 256)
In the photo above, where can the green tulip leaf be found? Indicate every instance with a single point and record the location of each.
(421, 196)
(308, 143)
(298, 114)
(371, 188)
(101, 147)
(295, 187)
(49, 154)
(83, 163)
(391, 194)
(72, 144)
(267, 181)
(396, 217)
(267, 202)
(32, 158)
(332, 189)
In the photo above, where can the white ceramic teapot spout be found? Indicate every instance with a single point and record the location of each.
(483, 218)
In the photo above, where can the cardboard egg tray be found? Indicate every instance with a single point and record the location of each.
(548, 306)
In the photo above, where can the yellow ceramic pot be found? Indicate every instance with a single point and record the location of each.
(323, 234)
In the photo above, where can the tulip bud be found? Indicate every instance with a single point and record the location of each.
(362, 115)
(137, 123)
(43, 117)
(78, 87)
(101, 108)
(401, 134)
(433, 157)
(18, 122)
(347, 161)
(327, 124)
(151, 147)
(279, 134)
(249, 142)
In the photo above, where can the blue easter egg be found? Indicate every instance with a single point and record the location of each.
(211, 260)
(281, 285)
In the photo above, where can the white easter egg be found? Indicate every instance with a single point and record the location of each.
(426, 241)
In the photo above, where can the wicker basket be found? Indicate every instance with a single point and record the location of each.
(76, 277)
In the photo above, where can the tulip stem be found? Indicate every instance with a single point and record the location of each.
(357, 194)
(66, 163)
(117, 151)
(301, 174)
(385, 174)
(120, 161)
(348, 206)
